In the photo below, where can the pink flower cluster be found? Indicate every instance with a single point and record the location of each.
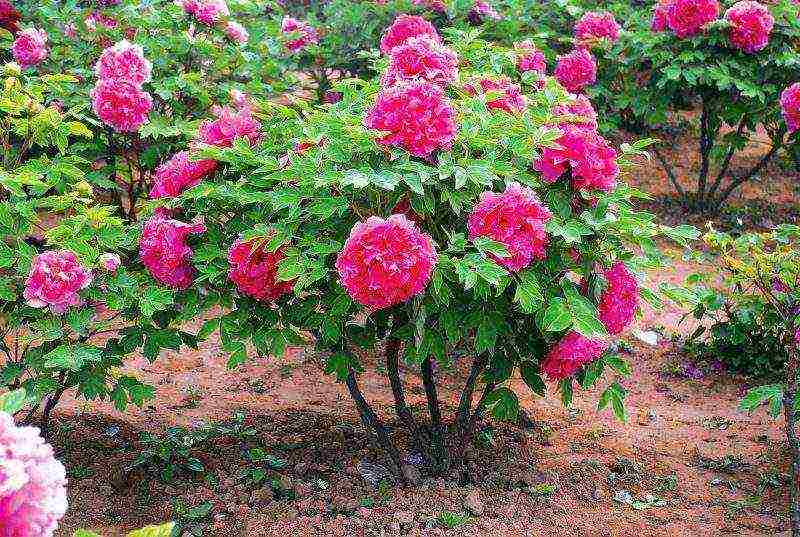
(597, 25)
(96, 18)
(571, 353)
(386, 262)
(751, 23)
(124, 62)
(580, 112)
(790, 107)
(421, 58)
(229, 125)
(180, 173)
(208, 12)
(164, 252)
(686, 18)
(30, 47)
(482, 10)
(529, 58)
(619, 301)
(405, 27)
(508, 96)
(110, 262)
(9, 16)
(576, 70)
(55, 279)
(254, 270)
(659, 22)
(416, 116)
(33, 483)
(515, 218)
(300, 34)
(236, 32)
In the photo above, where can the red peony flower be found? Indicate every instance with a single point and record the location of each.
(417, 117)
(124, 62)
(30, 47)
(659, 22)
(576, 70)
(179, 174)
(164, 252)
(421, 58)
(687, 17)
(55, 279)
(301, 33)
(254, 270)
(510, 98)
(751, 23)
(405, 26)
(790, 106)
(570, 354)
(236, 32)
(597, 25)
(386, 262)
(121, 105)
(229, 125)
(515, 218)
(581, 110)
(529, 58)
(591, 158)
(210, 12)
(9, 16)
(619, 301)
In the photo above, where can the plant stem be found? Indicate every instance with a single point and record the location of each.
(437, 430)
(465, 405)
(776, 145)
(400, 406)
(670, 174)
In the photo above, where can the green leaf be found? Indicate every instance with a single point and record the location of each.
(529, 292)
(155, 299)
(504, 404)
(531, 376)
(557, 317)
(619, 364)
(164, 530)
(85, 533)
(12, 402)
(770, 394)
(614, 394)
(72, 357)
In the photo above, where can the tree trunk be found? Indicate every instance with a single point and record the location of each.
(791, 436)
(437, 443)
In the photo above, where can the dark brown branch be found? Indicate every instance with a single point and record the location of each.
(750, 174)
(465, 405)
(726, 162)
(705, 153)
(670, 174)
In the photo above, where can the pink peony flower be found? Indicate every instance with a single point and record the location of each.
(236, 32)
(619, 301)
(386, 262)
(590, 157)
(515, 218)
(30, 47)
(570, 354)
(239, 99)
(9, 16)
(229, 125)
(109, 261)
(581, 110)
(529, 58)
(597, 25)
(96, 18)
(189, 6)
(124, 62)
(416, 116)
(302, 34)
(254, 270)
(404, 27)
(576, 70)
(210, 12)
(751, 23)
(688, 17)
(164, 252)
(483, 10)
(55, 279)
(659, 22)
(509, 98)
(179, 174)
(421, 58)
(71, 31)
(790, 106)
(33, 484)
(121, 105)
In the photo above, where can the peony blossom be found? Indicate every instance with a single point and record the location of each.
(589, 156)
(529, 58)
(582, 111)
(109, 261)
(229, 125)
(570, 354)
(121, 105)
(597, 25)
(659, 21)
(33, 483)
(386, 262)
(179, 174)
(576, 70)
(506, 96)
(751, 23)
(515, 218)
(164, 252)
(482, 10)
(96, 18)
(55, 279)
(124, 62)
(421, 58)
(9, 16)
(688, 17)
(240, 99)
(619, 301)
(254, 270)
(790, 106)
(189, 6)
(404, 27)
(417, 117)
(30, 47)
(210, 12)
(236, 32)
(302, 34)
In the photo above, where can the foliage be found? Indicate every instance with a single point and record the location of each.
(165, 530)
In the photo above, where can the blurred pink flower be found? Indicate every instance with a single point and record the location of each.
(109, 261)
(30, 47)
(236, 32)
(179, 174)
(688, 17)
(301, 33)
(229, 125)
(620, 300)
(121, 105)
(164, 252)
(404, 27)
(597, 25)
(576, 70)
(55, 279)
(751, 23)
(124, 62)
(254, 270)
(570, 354)
(506, 95)
(421, 58)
